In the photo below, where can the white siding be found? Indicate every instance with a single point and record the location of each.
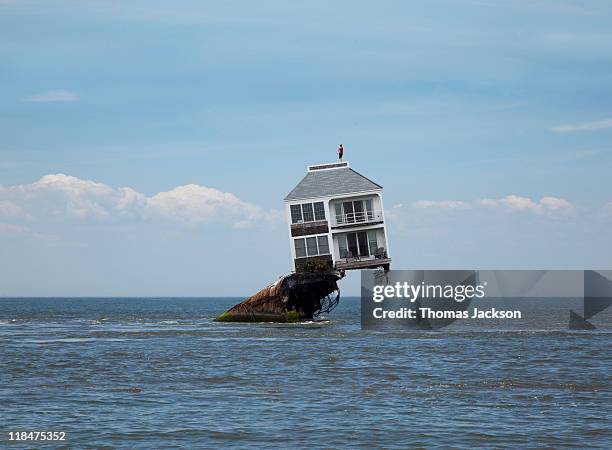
(329, 202)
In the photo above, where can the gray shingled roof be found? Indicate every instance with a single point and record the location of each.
(323, 183)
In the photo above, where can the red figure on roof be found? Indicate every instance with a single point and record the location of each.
(340, 152)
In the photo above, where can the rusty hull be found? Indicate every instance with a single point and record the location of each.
(293, 298)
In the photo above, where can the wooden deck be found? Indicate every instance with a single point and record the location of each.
(363, 264)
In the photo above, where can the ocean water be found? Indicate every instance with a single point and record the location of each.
(159, 373)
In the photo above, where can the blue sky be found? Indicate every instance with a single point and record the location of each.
(468, 113)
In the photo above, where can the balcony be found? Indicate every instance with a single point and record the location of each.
(368, 262)
(349, 260)
(358, 218)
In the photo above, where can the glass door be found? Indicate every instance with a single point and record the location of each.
(351, 239)
(373, 242)
(349, 214)
(362, 239)
(358, 207)
(357, 244)
(342, 246)
(354, 211)
(339, 216)
(369, 211)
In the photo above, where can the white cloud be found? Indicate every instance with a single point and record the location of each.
(62, 198)
(586, 126)
(518, 203)
(9, 210)
(53, 96)
(130, 201)
(442, 204)
(510, 202)
(554, 203)
(194, 204)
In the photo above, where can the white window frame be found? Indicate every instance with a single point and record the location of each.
(301, 220)
(301, 207)
(316, 236)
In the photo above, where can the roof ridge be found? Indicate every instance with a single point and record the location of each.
(328, 183)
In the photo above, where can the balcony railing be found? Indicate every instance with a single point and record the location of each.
(359, 217)
(368, 262)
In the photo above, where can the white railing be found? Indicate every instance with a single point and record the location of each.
(359, 217)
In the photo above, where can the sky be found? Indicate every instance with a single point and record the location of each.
(146, 147)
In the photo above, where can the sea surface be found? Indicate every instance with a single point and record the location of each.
(159, 373)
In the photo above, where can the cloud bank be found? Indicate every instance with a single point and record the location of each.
(509, 203)
(66, 198)
(587, 126)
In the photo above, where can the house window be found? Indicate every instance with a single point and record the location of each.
(296, 214)
(323, 245)
(319, 211)
(311, 246)
(307, 212)
(300, 248)
(354, 211)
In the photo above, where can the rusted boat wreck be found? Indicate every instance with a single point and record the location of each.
(293, 298)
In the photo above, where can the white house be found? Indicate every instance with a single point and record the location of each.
(336, 214)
